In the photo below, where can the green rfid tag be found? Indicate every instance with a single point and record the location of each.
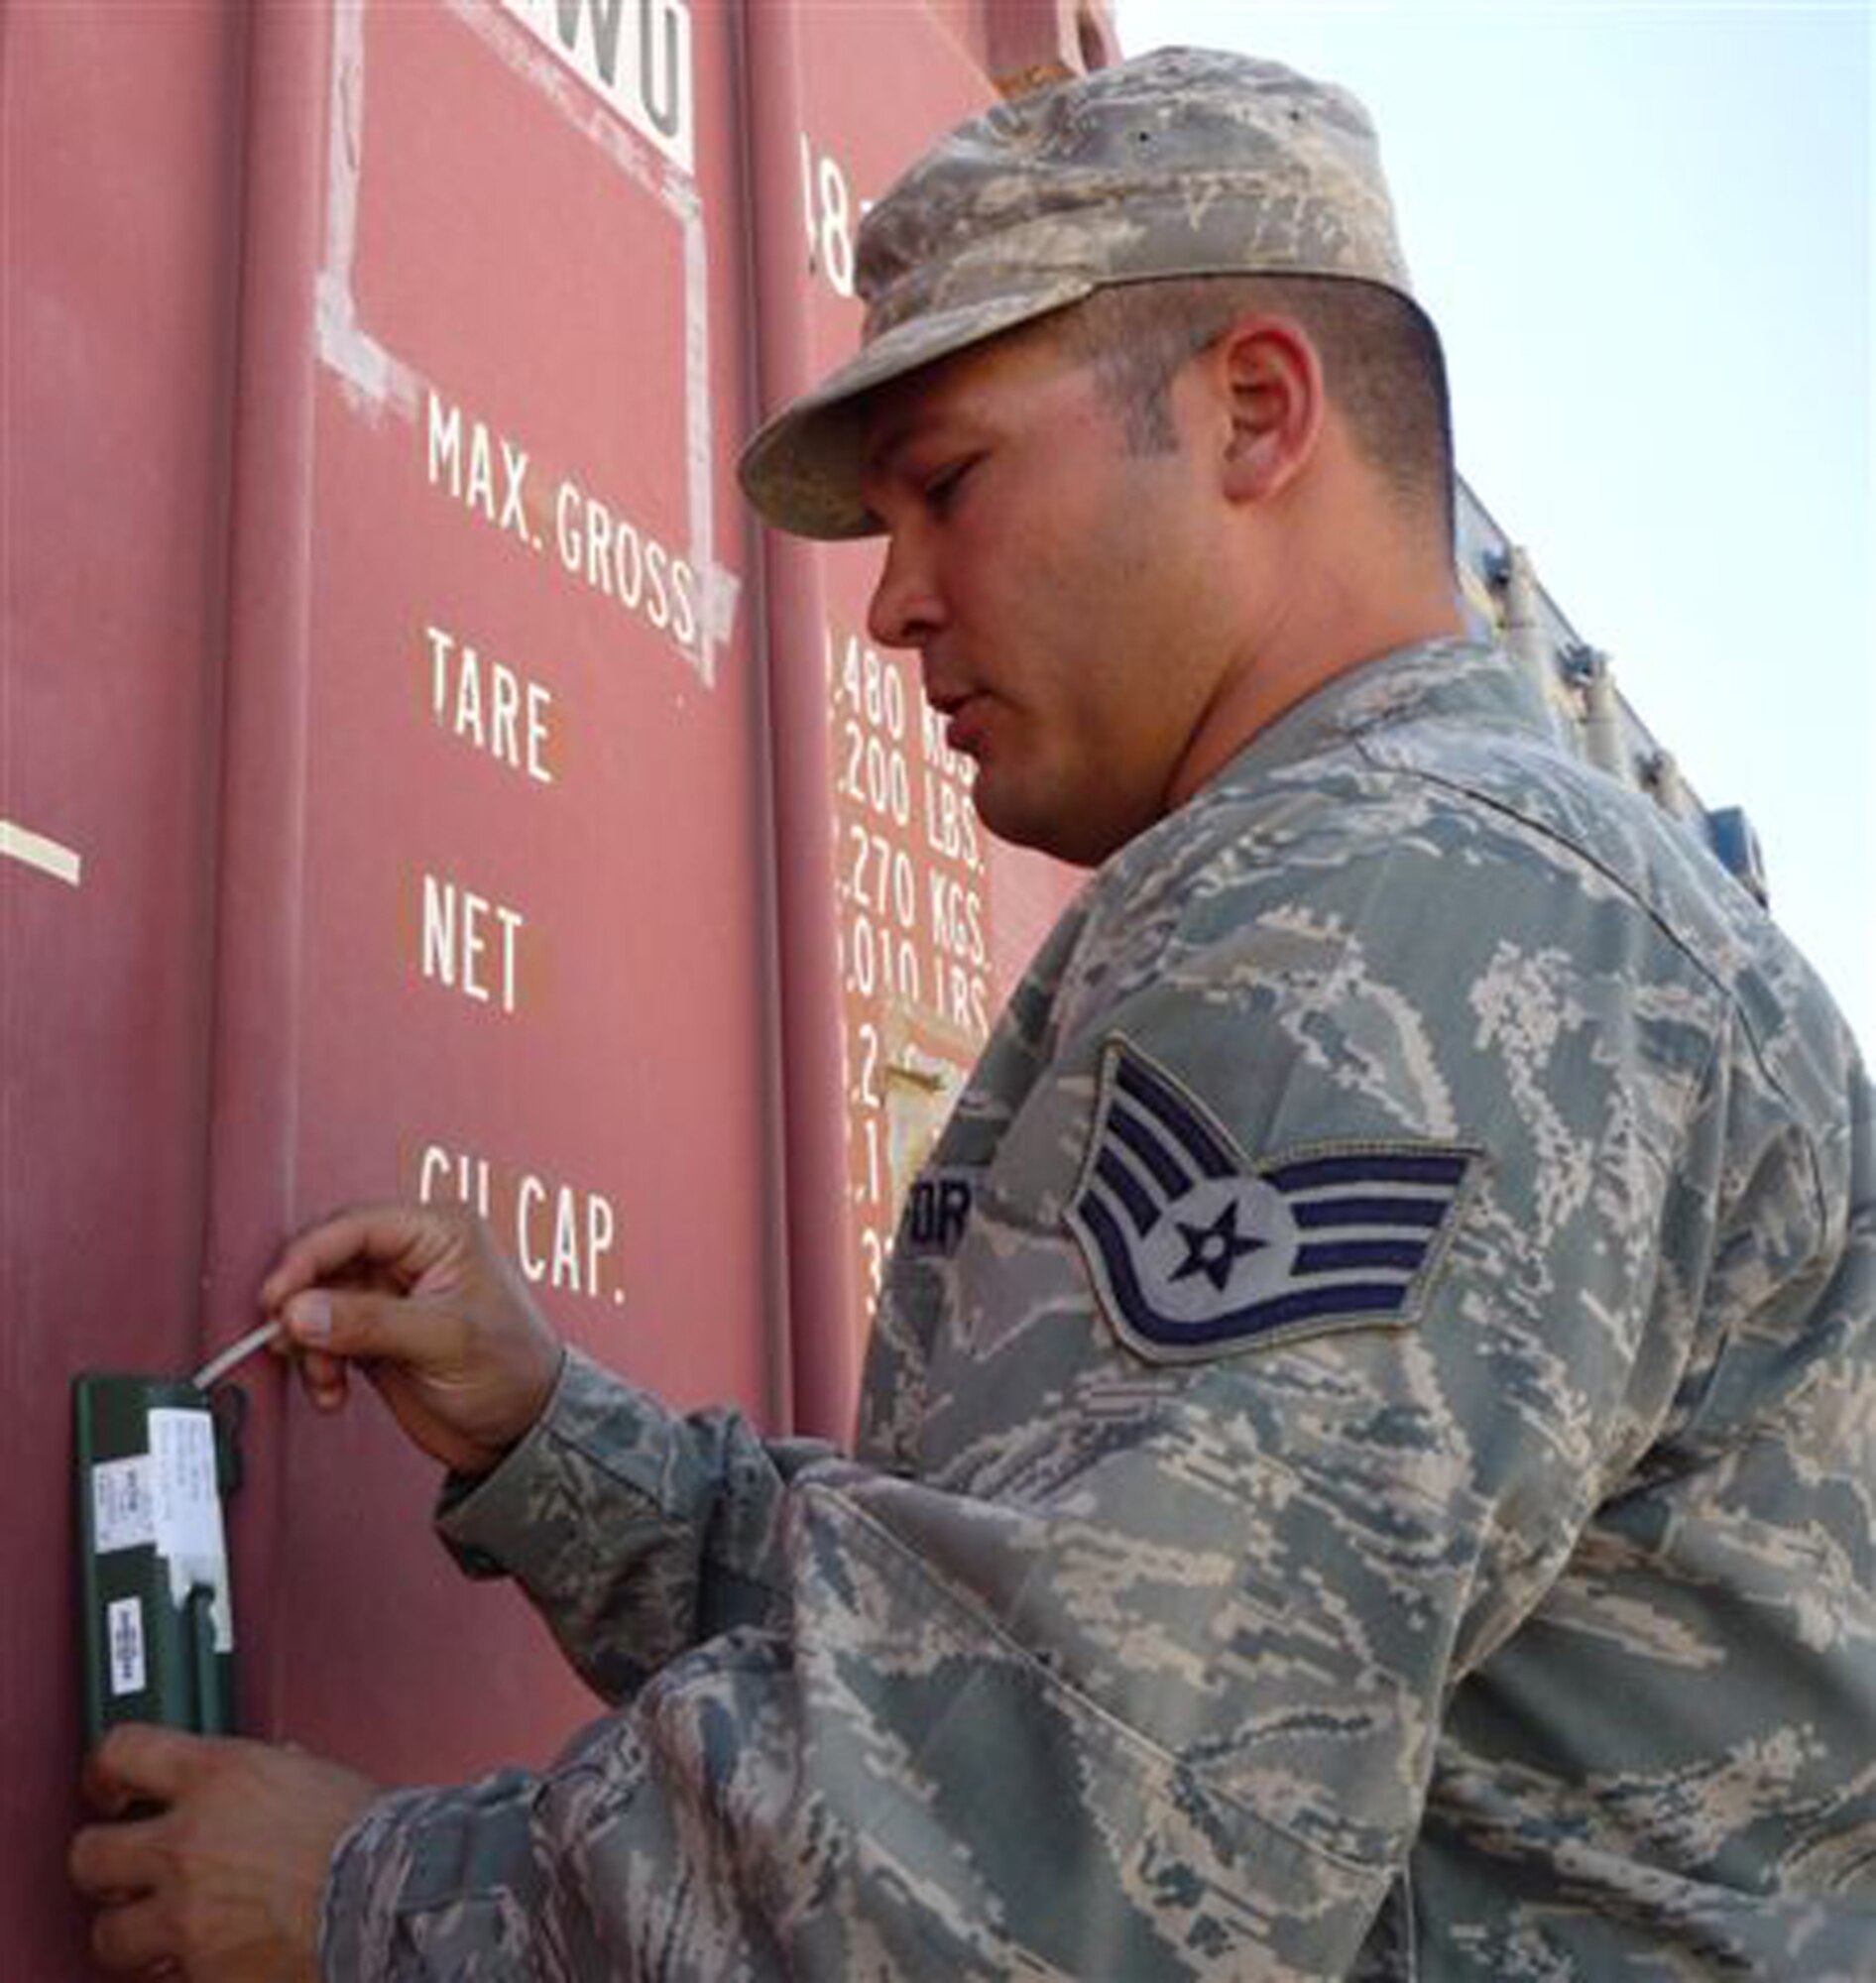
(152, 1464)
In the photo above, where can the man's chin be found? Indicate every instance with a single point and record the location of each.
(1063, 832)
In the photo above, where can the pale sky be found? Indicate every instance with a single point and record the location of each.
(1644, 231)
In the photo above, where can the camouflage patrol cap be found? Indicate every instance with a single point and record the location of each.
(1187, 162)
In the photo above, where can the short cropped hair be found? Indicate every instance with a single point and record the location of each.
(1381, 363)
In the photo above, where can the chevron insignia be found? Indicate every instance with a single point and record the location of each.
(1195, 1252)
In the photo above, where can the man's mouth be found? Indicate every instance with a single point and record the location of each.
(961, 711)
(964, 723)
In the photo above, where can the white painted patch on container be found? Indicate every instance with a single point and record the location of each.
(720, 587)
(613, 50)
(518, 49)
(35, 849)
(374, 379)
(677, 192)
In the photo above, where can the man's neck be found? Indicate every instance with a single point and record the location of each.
(1322, 631)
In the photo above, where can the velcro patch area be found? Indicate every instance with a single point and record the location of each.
(937, 1210)
(1196, 1253)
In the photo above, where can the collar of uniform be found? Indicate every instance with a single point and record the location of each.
(1471, 680)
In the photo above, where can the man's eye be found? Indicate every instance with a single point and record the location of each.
(942, 489)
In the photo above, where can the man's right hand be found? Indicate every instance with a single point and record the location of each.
(426, 1306)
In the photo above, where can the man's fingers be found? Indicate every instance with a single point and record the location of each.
(132, 1937)
(316, 1253)
(138, 1761)
(106, 1795)
(344, 1324)
(109, 1860)
(399, 1238)
(323, 1377)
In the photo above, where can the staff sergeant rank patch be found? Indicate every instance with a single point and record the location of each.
(1195, 1252)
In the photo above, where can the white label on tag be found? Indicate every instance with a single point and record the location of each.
(123, 1513)
(187, 1510)
(124, 1628)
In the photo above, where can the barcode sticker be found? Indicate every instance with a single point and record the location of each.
(123, 1514)
(124, 1629)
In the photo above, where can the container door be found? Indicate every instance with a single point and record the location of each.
(418, 777)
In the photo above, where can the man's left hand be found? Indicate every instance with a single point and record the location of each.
(226, 1878)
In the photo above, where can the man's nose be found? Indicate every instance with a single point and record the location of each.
(906, 609)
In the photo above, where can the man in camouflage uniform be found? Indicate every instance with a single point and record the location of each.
(1378, 1481)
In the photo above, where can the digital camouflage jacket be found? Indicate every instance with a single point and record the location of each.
(1365, 1464)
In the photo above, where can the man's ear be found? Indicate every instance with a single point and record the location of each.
(1269, 380)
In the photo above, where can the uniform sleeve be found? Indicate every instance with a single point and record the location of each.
(892, 1779)
(1140, 1676)
(634, 1532)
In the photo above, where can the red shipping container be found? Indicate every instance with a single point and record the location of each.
(418, 775)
